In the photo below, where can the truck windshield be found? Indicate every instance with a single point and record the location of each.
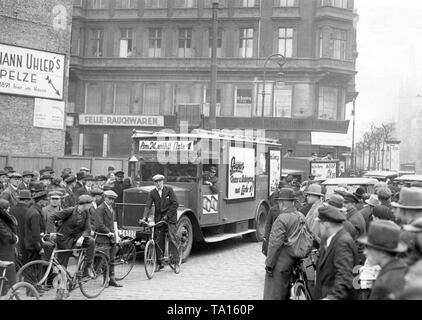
(172, 172)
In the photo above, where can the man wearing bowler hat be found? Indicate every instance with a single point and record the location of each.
(11, 193)
(166, 205)
(26, 180)
(382, 246)
(279, 262)
(338, 256)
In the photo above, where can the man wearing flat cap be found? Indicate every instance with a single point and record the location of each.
(382, 246)
(75, 226)
(105, 218)
(166, 205)
(279, 261)
(338, 256)
(11, 193)
(54, 206)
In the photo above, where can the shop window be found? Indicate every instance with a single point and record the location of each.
(93, 145)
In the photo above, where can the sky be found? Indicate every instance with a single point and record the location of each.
(389, 43)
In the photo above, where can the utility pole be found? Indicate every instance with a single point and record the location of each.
(353, 162)
(213, 87)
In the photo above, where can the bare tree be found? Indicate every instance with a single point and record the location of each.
(387, 131)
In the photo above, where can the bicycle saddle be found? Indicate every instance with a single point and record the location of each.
(5, 264)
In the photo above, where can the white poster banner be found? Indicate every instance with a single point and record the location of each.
(29, 72)
(330, 139)
(49, 114)
(274, 170)
(241, 184)
(148, 145)
(324, 170)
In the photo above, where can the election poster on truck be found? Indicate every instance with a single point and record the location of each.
(323, 170)
(241, 177)
(274, 170)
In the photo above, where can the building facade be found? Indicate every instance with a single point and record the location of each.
(34, 65)
(145, 64)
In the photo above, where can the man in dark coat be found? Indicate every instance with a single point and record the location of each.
(79, 178)
(8, 240)
(338, 257)
(352, 214)
(69, 197)
(368, 209)
(75, 226)
(26, 180)
(11, 193)
(3, 180)
(105, 218)
(35, 225)
(271, 216)
(166, 205)
(382, 246)
(88, 182)
(20, 212)
(279, 262)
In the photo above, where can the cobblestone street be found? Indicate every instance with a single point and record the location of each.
(230, 270)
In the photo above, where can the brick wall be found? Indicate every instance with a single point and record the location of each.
(30, 24)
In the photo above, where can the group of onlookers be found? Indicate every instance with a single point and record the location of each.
(369, 247)
(33, 203)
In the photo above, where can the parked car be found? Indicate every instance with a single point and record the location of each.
(351, 184)
(383, 176)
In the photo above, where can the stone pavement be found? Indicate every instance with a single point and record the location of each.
(229, 270)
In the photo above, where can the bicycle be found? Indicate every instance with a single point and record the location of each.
(299, 286)
(54, 281)
(150, 261)
(125, 257)
(20, 290)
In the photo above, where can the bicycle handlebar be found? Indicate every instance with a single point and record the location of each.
(151, 224)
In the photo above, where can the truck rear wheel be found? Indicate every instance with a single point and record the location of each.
(185, 233)
(259, 224)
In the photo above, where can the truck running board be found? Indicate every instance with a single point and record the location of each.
(225, 236)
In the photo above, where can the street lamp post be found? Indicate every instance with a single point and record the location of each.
(213, 87)
(281, 61)
(353, 162)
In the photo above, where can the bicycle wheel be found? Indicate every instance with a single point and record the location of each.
(22, 291)
(93, 287)
(35, 273)
(150, 259)
(176, 263)
(124, 260)
(298, 292)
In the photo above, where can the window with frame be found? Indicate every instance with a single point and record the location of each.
(185, 4)
(152, 99)
(155, 39)
(284, 3)
(93, 98)
(126, 43)
(219, 42)
(283, 101)
(327, 103)
(285, 42)
(335, 3)
(221, 4)
(126, 4)
(122, 94)
(247, 3)
(185, 43)
(338, 43)
(97, 4)
(267, 101)
(246, 43)
(207, 102)
(97, 42)
(155, 4)
(243, 102)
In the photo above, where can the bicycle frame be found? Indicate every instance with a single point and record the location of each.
(3, 280)
(166, 239)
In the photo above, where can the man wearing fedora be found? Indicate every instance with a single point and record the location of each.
(35, 224)
(88, 182)
(79, 181)
(26, 180)
(382, 246)
(20, 212)
(338, 256)
(69, 197)
(352, 214)
(368, 209)
(11, 193)
(279, 262)
(407, 210)
(314, 197)
(337, 202)
(360, 194)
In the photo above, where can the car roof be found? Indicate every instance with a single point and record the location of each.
(350, 181)
(409, 177)
(380, 174)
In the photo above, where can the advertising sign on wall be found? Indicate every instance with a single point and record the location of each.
(241, 173)
(49, 114)
(120, 120)
(31, 72)
(274, 170)
(324, 170)
(155, 145)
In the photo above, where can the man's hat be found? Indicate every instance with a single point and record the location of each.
(39, 195)
(42, 171)
(286, 194)
(49, 169)
(158, 177)
(96, 192)
(55, 194)
(15, 175)
(24, 195)
(350, 197)
(46, 176)
(373, 200)
(101, 178)
(330, 214)
(110, 194)
(213, 169)
(359, 192)
(108, 186)
(410, 198)
(84, 199)
(415, 226)
(80, 175)
(70, 178)
(336, 201)
(384, 235)
(4, 204)
(119, 173)
(3, 173)
(314, 190)
(383, 212)
(111, 168)
(27, 173)
(9, 169)
(84, 169)
(88, 177)
(37, 187)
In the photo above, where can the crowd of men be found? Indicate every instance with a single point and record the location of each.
(75, 205)
(369, 246)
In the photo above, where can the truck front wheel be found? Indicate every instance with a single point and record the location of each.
(259, 224)
(185, 233)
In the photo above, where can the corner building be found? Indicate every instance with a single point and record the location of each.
(147, 62)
